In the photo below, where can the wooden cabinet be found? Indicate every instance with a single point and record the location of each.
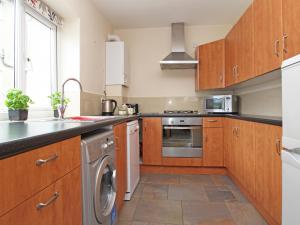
(244, 69)
(120, 132)
(152, 141)
(291, 28)
(268, 169)
(231, 49)
(267, 35)
(240, 159)
(28, 181)
(63, 209)
(213, 155)
(211, 71)
(213, 144)
(62, 158)
(239, 50)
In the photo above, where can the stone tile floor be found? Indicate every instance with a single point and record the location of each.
(162, 199)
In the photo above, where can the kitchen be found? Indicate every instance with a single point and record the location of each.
(177, 112)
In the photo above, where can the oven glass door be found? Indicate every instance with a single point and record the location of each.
(215, 104)
(182, 141)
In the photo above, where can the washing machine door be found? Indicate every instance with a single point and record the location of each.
(105, 189)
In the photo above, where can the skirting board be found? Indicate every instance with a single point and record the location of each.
(145, 169)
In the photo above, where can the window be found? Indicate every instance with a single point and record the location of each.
(40, 66)
(28, 52)
(6, 49)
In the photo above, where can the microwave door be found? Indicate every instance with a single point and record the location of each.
(215, 104)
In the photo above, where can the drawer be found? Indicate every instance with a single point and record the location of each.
(26, 174)
(63, 205)
(213, 122)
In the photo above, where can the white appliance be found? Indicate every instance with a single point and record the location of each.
(117, 65)
(133, 158)
(291, 141)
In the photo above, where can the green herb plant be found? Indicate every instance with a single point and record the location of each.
(15, 100)
(56, 100)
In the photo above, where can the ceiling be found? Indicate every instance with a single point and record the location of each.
(157, 13)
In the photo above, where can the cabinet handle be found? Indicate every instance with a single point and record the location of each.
(221, 78)
(212, 121)
(237, 71)
(233, 71)
(51, 200)
(276, 47)
(117, 142)
(285, 37)
(41, 162)
(278, 147)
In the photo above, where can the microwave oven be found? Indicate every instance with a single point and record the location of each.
(221, 104)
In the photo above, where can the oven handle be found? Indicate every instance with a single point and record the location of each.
(182, 128)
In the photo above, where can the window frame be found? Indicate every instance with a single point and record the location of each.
(54, 64)
(20, 11)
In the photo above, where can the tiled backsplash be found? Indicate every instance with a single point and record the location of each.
(90, 104)
(159, 104)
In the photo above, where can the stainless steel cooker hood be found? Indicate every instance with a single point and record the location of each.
(178, 59)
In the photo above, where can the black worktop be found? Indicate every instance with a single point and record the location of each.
(277, 121)
(19, 137)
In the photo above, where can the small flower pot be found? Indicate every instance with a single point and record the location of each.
(18, 115)
(55, 113)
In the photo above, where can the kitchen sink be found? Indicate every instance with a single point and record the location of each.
(76, 119)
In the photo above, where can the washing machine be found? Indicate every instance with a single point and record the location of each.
(99, 178)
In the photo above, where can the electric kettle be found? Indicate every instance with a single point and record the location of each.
(108, 107)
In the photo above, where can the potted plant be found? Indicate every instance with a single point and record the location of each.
(17, 104)
(56, 102)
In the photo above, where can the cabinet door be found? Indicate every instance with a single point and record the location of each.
(268, 169)
(231, 56)
(245, 65)
(291, 27)
(64, 205)
(247, 158)
(120, 132)
(267, 35)
(213, 154)
(152, 141)
(212, 65)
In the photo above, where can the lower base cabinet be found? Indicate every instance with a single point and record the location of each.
(252, 158)
(58, 204)
(120, 132)
(268, 191)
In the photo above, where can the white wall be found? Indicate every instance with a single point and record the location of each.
(147, 46)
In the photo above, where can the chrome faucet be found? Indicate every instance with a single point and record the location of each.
(63, 107)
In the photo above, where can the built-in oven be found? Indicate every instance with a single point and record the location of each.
(182, 137)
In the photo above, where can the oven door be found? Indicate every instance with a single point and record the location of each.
(182, 141)
(215, 104)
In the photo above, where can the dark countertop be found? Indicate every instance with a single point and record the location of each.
(277, 121)
(19, 137)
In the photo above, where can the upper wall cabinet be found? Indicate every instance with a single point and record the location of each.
(239, 50)
(211, 67)
(291, 28)
(267, 35)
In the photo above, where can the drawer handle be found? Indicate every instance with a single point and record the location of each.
(51, 200)
(41, 162)
(212, 121)
(278, 147)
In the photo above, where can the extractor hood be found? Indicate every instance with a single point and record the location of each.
(178, 59)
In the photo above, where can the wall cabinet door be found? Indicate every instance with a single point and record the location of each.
(152, 141)
(213, 151)
(244, 69)
(211, 73)
(267, 35)
(120, 132)
(231, 49)
(291, 28)
(268, 169)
